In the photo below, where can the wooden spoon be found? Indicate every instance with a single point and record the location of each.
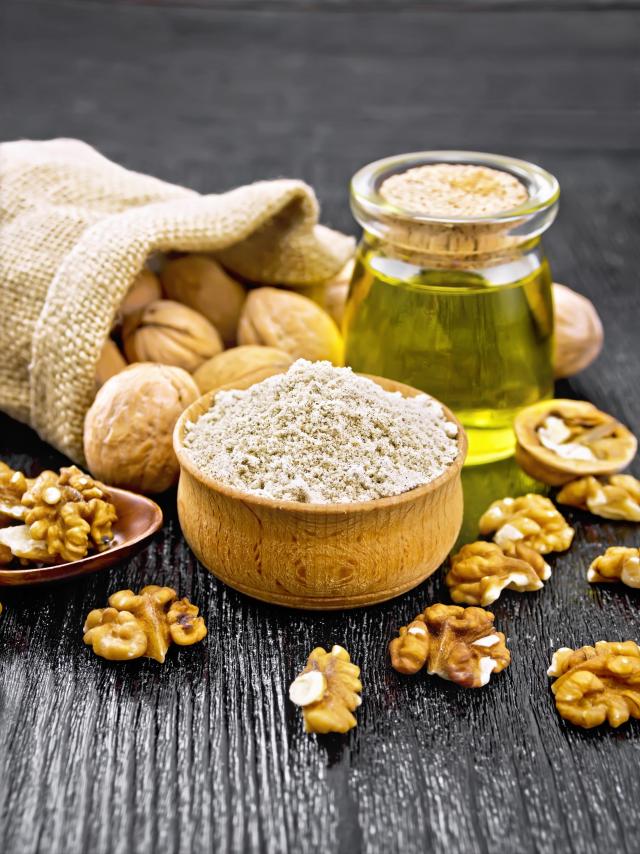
(138, 519)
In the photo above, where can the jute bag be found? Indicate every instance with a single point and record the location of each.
(75, 229)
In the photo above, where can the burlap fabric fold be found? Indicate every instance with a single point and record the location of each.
(75, 229)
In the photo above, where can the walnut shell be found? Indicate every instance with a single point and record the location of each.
(578, 332)
(332, 294)
(243, 366)
(607, 446)
(201, 283)
(290, 322)
(337, 291)
(172, 334)
(145, 289)
(110, 363)
(128, 429)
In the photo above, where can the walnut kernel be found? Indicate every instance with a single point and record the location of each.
(17, 542)
(70, 512)
(616, 497)
(115, 635)
(594, 684)
(143, 624)
(616, 564)
(185, 626)
(328, 690)
(457, 644)
(530, 520)
(481, 571)
(13, 485)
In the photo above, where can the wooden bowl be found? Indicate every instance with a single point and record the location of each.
(138, 518)
(318, 556)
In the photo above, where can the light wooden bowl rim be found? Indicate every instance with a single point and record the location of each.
(202, 404)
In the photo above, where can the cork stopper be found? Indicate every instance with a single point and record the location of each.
(454, 190)
(453, 208)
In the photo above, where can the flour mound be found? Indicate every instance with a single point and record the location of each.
(321, 434)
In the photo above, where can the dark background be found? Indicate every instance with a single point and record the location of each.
(206, 753)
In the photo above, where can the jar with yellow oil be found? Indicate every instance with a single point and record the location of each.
(451, 291)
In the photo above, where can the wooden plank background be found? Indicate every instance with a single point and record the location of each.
(206, 753)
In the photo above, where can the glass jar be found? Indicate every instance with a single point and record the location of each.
(460, 307)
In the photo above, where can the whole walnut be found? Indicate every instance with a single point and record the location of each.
(290, 322)
(201, 283)
(145, 289)
(337, 291)
(128, 429)
(110, 363)
(243, 366)
(172, 334)
(578, 332)
(332, 294)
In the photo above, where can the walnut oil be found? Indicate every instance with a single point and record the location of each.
(451, 301)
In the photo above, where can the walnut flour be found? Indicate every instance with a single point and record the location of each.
(322, 434)
(455, 189)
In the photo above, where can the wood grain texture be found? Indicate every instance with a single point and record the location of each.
(326, 557)
(206, 753)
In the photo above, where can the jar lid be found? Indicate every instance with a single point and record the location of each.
(391, 218)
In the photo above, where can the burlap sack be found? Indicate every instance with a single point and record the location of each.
(75, 229)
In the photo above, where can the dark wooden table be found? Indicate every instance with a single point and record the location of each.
(206, 753)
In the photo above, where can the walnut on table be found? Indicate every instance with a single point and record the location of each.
(480, 571)
(597, 684)
(143, 624)
(185, 626)
(455, 643)
(328, 690)
(530, 520)
(616, 497)
(115, 635)
(616, 564)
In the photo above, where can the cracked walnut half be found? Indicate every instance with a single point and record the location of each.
(559, 440)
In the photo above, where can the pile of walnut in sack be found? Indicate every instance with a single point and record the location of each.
(187, 330)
